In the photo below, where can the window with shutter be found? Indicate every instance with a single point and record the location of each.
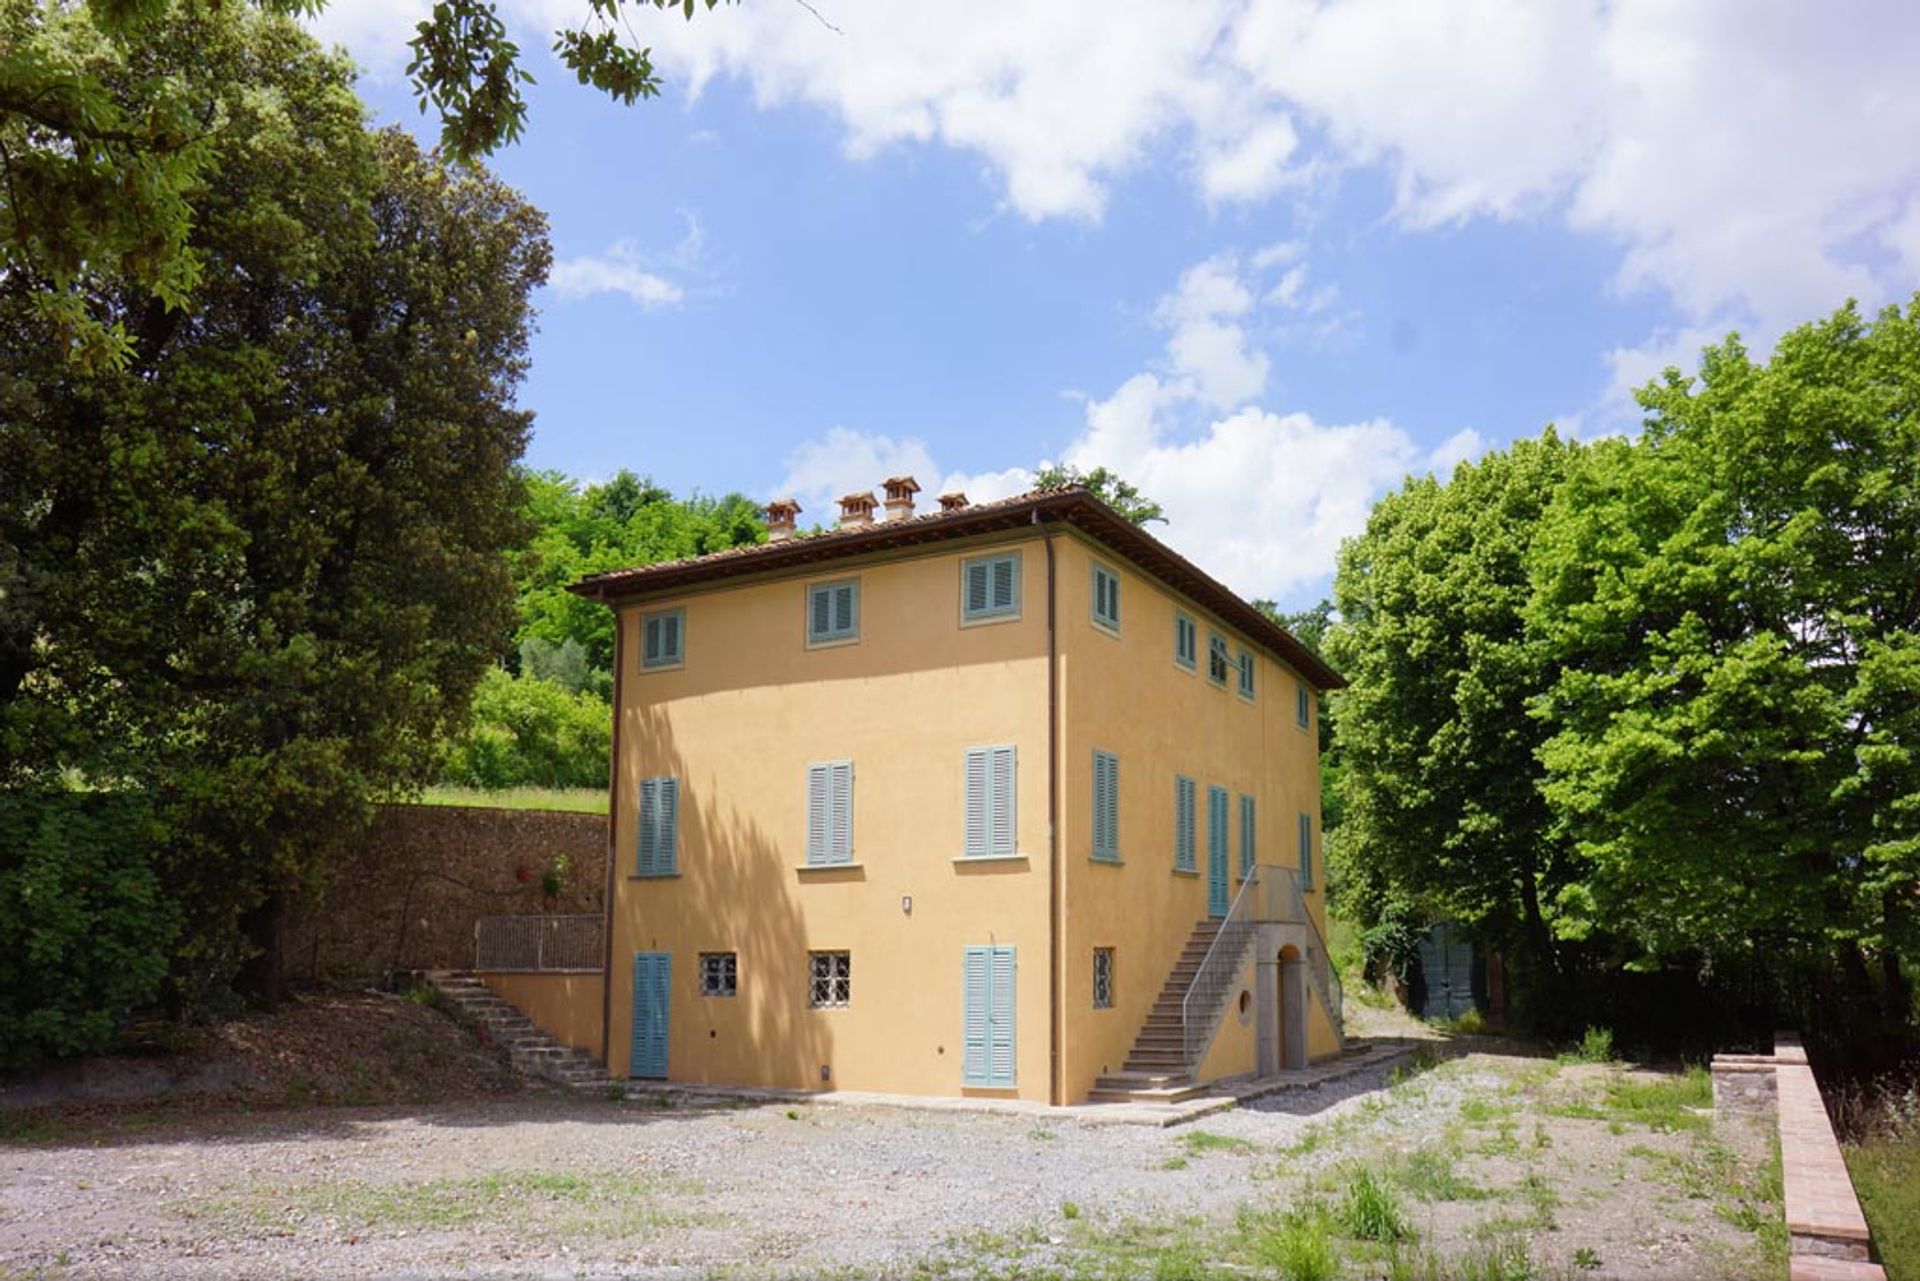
(988, 1021)
(1302, 706)
(1183, 824)
(1186, 641)
(1246, 674)
(1106, 807)
(833, 612)
(1306, 851)
(658, 823)
(990, 812)
(662, 638)
(1106, 597)
(1247, 856)
(990, 587)
(829, 813)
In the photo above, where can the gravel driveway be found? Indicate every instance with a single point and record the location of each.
(546, 1186)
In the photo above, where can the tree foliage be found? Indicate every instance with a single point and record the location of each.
(531, 731)
(1108, 487)
(256, 570)
(107, 149)
(1653, 702)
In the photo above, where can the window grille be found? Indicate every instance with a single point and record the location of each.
(1102, 978)
(719, 973)
(831, 986)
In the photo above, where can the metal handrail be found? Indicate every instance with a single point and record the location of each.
(537, 943)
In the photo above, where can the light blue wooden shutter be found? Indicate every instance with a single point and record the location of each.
(1000, 832)
(979, 588)
(1005, 593)
(973, 1040)
(987, 1034)
(818, 802)
(1217, 899)
(1246, 837)
(820, 625)
(846, 607)
(977, 785)
(651, 644)
(658, 823)
(1183, 823)
(1000, 1018)
(1306, 851)
(652, 991)
(1246, 673)
(1106, 806)
(840, 815)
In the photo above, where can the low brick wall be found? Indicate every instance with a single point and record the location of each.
(1826, 1229)
(408, 898)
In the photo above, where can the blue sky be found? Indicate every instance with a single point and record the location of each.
(1264, 257)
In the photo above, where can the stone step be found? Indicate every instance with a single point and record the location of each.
(1167, 1094)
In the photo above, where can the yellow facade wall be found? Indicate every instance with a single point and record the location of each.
(1122, 692)
(566, 1006)
(739, 724)
(1235, 1048)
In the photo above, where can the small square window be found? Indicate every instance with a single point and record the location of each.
(1186, 641)
(831, 985)
(719, 973)
(1106, 597)
(990, 587)
(1102, 978)
(1246, 674)
(1302, 705)
(833, 612)
(1217, 662)
(663, 638)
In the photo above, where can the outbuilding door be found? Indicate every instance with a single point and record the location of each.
(652, 986)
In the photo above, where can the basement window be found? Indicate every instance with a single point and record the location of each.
(1102, 978)
(719, 973)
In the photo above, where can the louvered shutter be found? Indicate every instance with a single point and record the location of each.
(667, 856)
(977, 785)
(843, 607)
(670, 639)
(1306, 851)
(973, 1041)
(652, 989)
(1005, 574)
(979, 587)
(1246, 837)
(840, 815)
(822, 622)
(1001, 831)
(1106, 806)
(650, 645)
(1183, 824)
(1000, 1017)
(819, 784)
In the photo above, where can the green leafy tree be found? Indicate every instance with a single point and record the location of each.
(1108, 488)
(106, 150)
(257, 570)
(1437, 745)
(1733, 606)
(528, 731)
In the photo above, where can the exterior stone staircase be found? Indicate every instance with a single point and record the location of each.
(499, 1023)
(1156, 1071)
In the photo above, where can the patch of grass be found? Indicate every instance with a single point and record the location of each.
(1429, 1175)
(1201, 1141)
(1586, 1259)
(1174, 1163)
(1298, 1245)
(1423, 1060)
(1667, 1104)
(1371, 1210)
(1886, 1169)
(1042, 1135)
(1479, 1111)
(543, 1202)
(1503, 1260)
(1069, 1210)
(1472, 1023)
(576, 800)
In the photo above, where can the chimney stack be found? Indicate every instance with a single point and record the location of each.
(780, 519)
(856, 510)
(900, 492)
(952, 502)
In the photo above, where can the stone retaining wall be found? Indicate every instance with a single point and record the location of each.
(408, 898)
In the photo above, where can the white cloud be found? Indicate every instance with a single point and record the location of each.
(625, 269)
(374, 31)
(1261, 499)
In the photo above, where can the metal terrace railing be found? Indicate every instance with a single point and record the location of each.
(535, 943)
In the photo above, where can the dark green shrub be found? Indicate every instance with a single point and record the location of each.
(87, 927)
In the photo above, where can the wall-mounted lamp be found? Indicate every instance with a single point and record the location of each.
(906, 904)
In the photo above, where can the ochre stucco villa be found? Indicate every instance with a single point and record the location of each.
(1005, 799)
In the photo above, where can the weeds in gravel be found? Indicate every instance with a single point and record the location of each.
(1174, 1163)
(1595, 1047)
(1429, 1175)
(1504, 1260)
(1069, 1210)
(536, 1201)
(1371, 1211)
(1201, 1141)
(1666, 1104)
(1297, 1244)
